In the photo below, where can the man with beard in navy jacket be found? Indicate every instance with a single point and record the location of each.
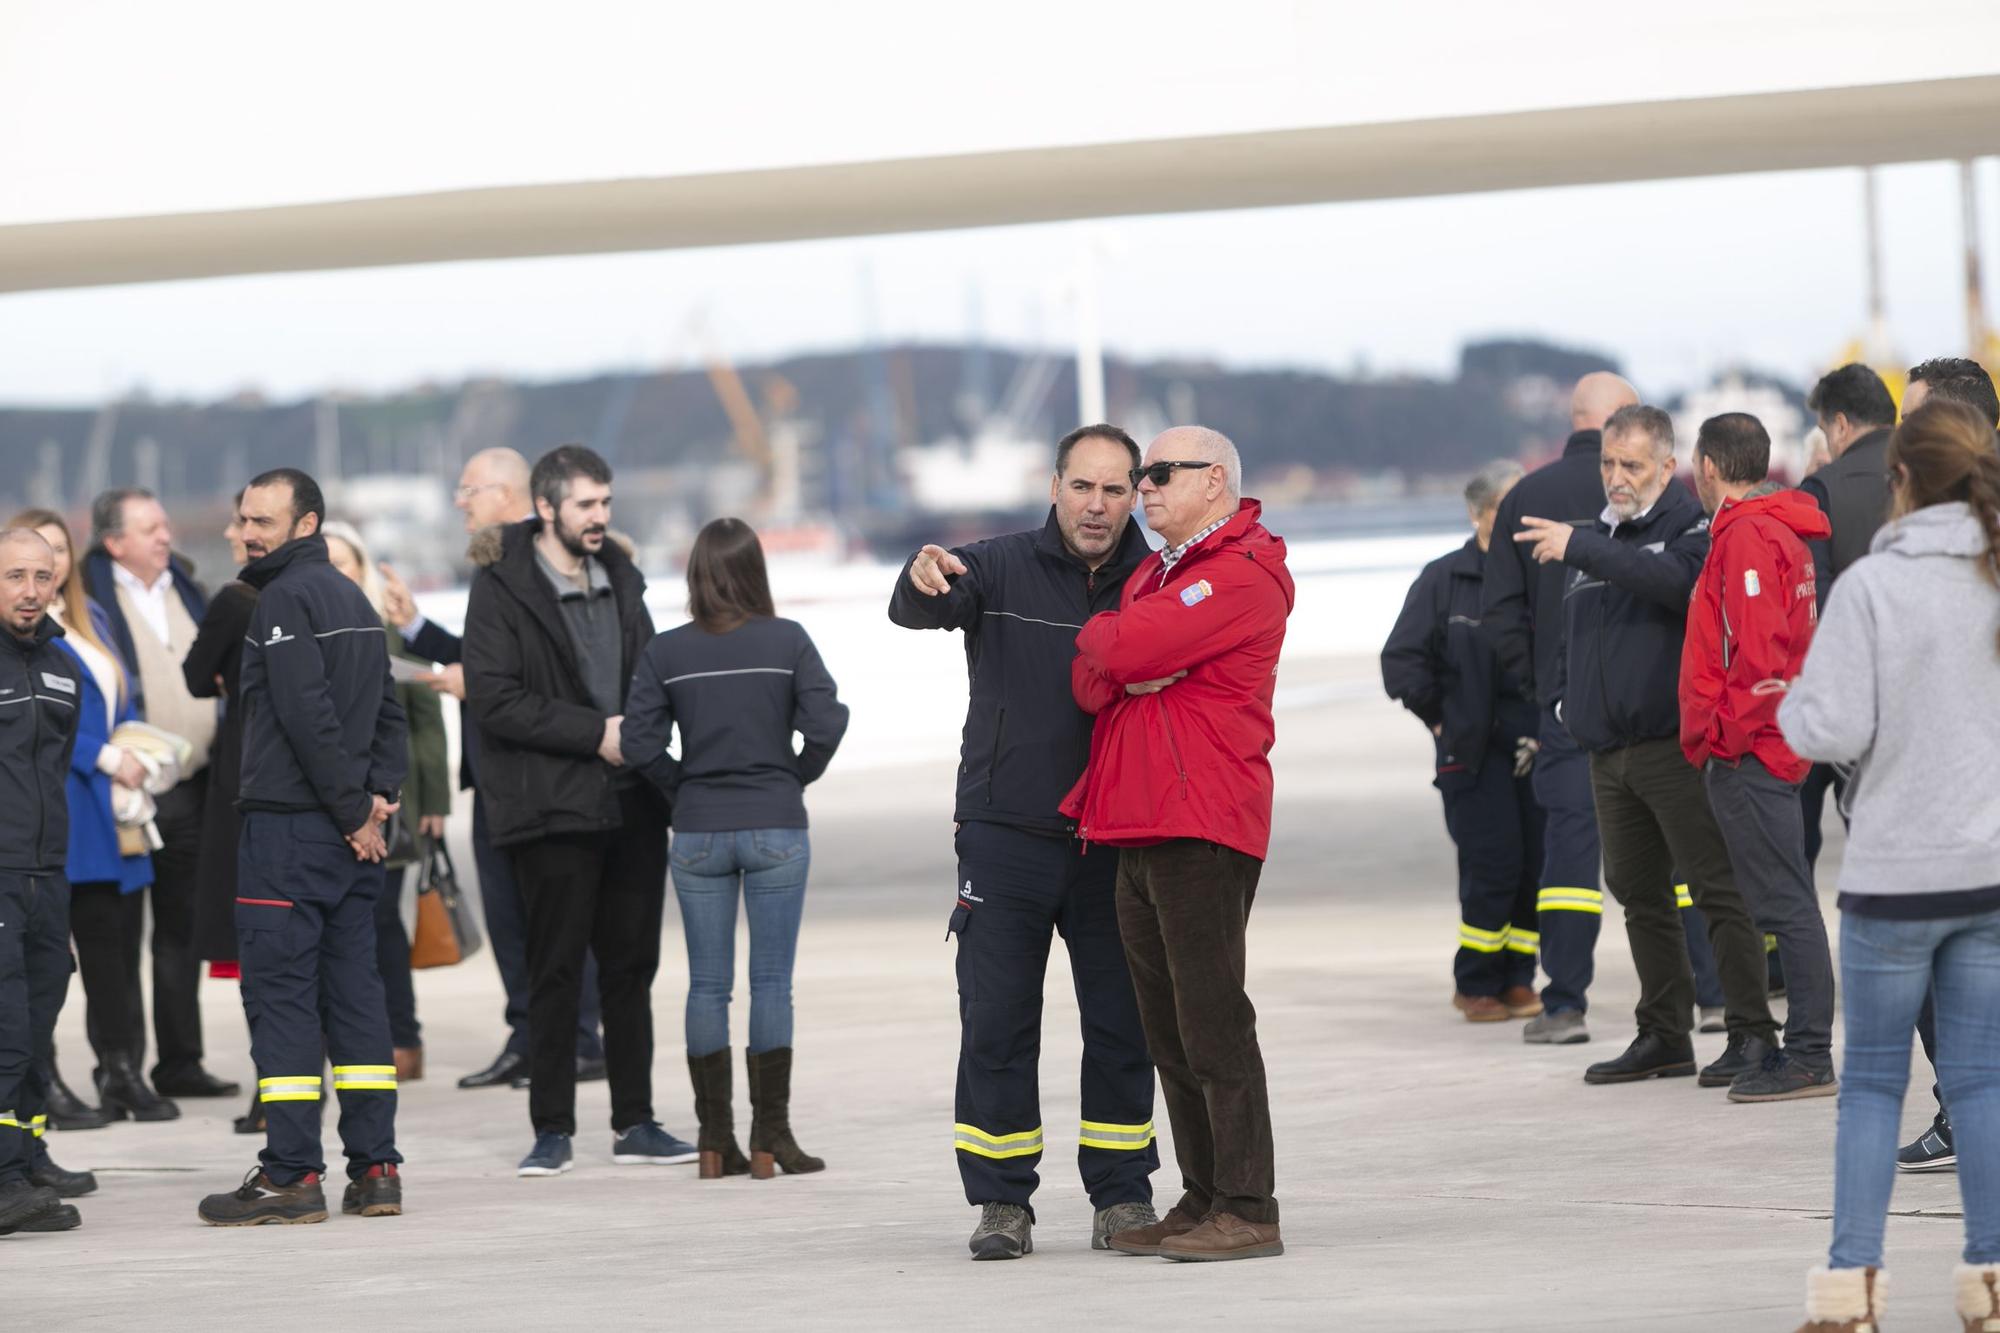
(325, 750)
(1019, 601)
(1625, 606)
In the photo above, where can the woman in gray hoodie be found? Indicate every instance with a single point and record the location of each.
(1903, 684)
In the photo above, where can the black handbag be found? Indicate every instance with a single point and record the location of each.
(446, 931)
(400, 836)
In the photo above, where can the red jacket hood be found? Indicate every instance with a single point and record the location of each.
(1795, 509)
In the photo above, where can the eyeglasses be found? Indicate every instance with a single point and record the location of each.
(467, 492)
(1162, 473)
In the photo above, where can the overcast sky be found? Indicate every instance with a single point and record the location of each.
(1674, 278)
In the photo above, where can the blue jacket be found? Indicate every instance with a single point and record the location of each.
(93, 830)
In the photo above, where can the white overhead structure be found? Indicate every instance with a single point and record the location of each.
(1856, 125)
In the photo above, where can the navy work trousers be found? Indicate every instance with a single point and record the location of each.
(1497, 826)
(1016, 889)
(1570, 904)
(305, 933)
(34, 978)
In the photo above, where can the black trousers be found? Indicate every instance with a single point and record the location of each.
(110, 929)
(603, 892)
(1183, 907)
(1016, 891)
(1653, 815)
(1497, 826)
(1570, 906)
(34, 979)
(305, 932)
(176, 961)
(392, 960)
(507, 934)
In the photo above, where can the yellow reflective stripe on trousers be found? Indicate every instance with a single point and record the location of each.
(1682, 898)
(1571, 900)
(1481, 941)
(7, 1121)
(1770, 944)
(972, 1139)
(40, 1127)
(1524, 941)
(289, 1088)
(1118, 1138)
(364, 1078)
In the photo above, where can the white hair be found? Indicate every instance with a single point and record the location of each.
(1214, 447)
(1490, 483)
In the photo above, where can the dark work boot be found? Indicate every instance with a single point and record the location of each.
(44, 1172)
(713, 1095)
(68, 1111)
(22, 1203)
(258, 1201)
(124, 1092)
(771, 1141)
(378, 1193)
(1649, 1056)
(1746, 1051)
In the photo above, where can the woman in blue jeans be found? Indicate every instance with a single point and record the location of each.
(737, 682)
(1903, 684)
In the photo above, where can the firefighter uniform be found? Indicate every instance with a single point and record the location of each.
(1439, 663)
(1023, 877)
(38, 702)
(323, 736)
(1570, 902)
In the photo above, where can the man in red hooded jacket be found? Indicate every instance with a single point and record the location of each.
(1180, 678)
(1751, 620)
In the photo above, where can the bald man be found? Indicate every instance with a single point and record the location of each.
(1523, 609)
(493, 490)
(39, 693)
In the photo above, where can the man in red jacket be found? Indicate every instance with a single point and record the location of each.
(1751, 620)
(1180, 678)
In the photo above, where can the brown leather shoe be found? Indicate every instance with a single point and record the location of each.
(1224, 1236)
(1521, 1001)
(1147, 1240)
(1480, 1008)
(409, 1063)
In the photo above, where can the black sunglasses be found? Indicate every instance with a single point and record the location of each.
(1162, 473)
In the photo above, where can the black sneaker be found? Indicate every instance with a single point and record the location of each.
(1933, 1150)
(1780, 1078)
(260, 1200)
(1649, 1056)
(21, 1203)
(377, 1194)
(1744, 1054)
(62, 1217)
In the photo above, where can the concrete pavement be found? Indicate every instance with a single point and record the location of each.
(1434, 1175)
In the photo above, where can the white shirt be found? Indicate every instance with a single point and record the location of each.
(150, 602)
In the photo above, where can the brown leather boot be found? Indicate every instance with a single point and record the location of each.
(1521, 1001)
(771, 1142)
(1224, 1236)
(1146, 1240)
(1978, 1296)
(713, 1096)
(1480, 1008)
(1844, 1300)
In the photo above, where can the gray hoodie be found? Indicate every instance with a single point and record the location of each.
(1903, 679)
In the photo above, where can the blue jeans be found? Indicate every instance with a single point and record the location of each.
(1886, 968)
(771, 866)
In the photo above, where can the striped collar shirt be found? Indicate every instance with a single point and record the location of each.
(1171, 556)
